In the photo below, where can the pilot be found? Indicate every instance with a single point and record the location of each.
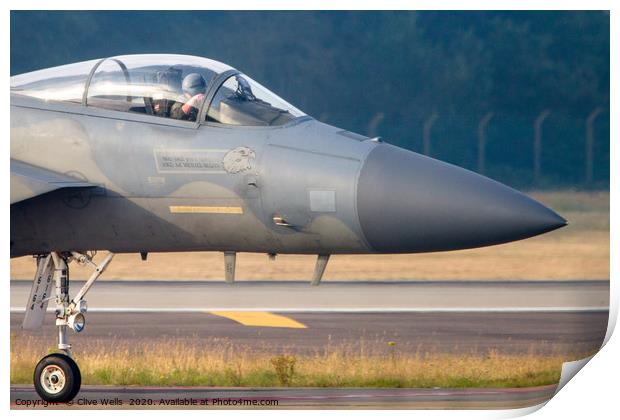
(187, 107)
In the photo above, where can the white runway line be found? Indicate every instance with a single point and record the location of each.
(344, 310)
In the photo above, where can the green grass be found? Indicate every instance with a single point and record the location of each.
(179, 363)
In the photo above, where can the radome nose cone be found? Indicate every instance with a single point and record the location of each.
(408, 202)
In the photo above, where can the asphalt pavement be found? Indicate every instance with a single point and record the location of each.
(355, 296)
(471, 333)
(98, 397)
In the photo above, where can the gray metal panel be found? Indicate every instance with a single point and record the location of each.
(57, 221)
(28, 181)
(20, 101)
(313, 157)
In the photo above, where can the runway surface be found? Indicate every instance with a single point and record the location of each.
(343, 295)
(93, 397)
(469, 333)
(433, 316)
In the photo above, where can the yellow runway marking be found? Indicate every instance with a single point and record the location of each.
(260, 319)
(206, 209)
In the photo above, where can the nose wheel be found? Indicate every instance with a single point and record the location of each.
(57, 378)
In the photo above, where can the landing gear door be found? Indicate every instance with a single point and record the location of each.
(39, 295)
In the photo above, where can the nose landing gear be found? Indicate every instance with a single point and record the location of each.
(57, 377)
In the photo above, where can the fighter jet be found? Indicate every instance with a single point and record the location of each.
(162, 153)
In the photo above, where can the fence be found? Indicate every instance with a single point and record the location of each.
(544, 150)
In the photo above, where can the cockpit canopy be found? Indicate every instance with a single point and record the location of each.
(168, 86)
(242, 101)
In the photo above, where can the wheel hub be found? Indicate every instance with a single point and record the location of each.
(52, 379)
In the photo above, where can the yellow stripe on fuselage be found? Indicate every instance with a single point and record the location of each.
(260, 319)
(206, 209)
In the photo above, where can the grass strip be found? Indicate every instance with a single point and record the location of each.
(228, 366)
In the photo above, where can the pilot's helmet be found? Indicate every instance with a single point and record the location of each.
(193, 84)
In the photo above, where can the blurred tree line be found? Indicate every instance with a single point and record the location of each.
(386, 73)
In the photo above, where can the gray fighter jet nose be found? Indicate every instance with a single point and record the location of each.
(408, 202)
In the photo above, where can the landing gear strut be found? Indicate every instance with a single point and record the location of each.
(57, 377)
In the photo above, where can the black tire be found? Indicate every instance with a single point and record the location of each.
(57, 378)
